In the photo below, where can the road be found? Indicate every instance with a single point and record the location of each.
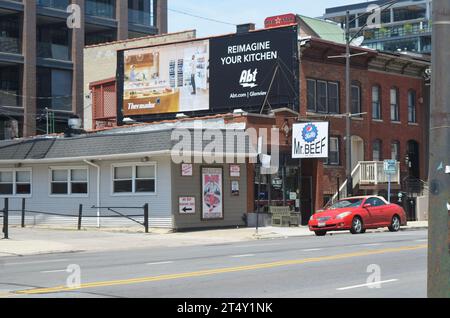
(333, 266)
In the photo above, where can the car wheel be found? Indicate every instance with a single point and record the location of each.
(395, 224)
(357, 226)
(321, 233)
(363, 231)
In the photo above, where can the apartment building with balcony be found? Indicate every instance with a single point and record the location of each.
(41, 58)
(405, 26)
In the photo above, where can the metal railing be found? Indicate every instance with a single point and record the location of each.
(5, 215)
(366, 173)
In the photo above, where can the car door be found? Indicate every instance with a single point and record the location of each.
(382, 212)
(371, 216)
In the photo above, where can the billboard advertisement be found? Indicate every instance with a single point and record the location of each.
(243, 69)
(210, 76)
(310, 140)
(166, 79)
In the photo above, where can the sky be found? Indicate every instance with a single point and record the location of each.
(239, 11)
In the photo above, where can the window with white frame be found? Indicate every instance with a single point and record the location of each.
(356, 99)
(376, 102)
(15, 182)
(395, 150)
(134, 179)
(69, 181)
(412, 106)
(395, 112)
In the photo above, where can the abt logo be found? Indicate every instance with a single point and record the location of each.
(248, 78)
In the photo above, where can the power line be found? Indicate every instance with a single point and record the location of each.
(201, 17)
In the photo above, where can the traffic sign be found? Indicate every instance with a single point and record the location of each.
(390, 167)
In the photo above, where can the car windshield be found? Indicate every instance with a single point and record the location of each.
(347, 203)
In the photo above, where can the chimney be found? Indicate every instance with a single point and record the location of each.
(245, 28)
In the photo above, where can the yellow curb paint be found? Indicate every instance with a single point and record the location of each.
(141, 280)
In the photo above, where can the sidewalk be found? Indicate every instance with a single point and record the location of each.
(34, 241)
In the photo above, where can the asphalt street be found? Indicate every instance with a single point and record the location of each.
(370, 265)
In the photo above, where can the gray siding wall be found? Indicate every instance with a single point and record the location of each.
(160, 203)
(234, 206)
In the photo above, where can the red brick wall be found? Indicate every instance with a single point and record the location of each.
(366, 128)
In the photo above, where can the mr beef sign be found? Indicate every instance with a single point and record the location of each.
(243, 67)
(310, 140)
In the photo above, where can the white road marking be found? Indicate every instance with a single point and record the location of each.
(55, 271)
(368, 285)
(160, 263)
(257, 245)
(372, 244)
(241, 256)
(425, 240)
(312, 250)
(38, 262)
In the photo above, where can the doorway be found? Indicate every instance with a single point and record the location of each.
(357, 151)
(413, 155)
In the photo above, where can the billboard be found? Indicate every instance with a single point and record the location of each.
(310, 140)
(243, 68)
(166, 79)
(210, 76)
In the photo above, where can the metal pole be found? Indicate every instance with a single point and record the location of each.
(146, 217)
(80, 216)
(348, 138)
(47, 120)
(5, 219)
(338, 187)
(23, 212)
(389, 188)
(439, 181)
(258, 203)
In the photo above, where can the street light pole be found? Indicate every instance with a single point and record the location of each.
(348, 138)
(439, 180)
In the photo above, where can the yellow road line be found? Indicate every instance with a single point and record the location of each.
(141, 280)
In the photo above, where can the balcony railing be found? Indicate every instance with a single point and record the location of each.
(10, 45)
(54, 4)
(53, 51)
(402, 30)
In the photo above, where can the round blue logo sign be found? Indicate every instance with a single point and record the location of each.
(310, 133)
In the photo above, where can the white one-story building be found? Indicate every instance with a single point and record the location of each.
(124, 171)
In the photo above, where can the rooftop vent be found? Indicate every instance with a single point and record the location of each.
(245, 28)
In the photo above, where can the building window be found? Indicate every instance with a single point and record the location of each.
(333, 156)
(15, 182)
(395, 114)
(356, 99)
(377, 152)
(395, 150)
(311, 88)
(323, 96)
(134, 179)
(66, 181)
(412, 107)
(376, 102)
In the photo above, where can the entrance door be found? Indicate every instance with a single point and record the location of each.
(413, 155)
(357, 151)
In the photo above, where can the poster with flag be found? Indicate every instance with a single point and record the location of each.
(212, 193)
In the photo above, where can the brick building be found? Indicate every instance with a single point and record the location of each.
(390, 92)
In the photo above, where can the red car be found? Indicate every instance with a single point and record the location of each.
(358, 214)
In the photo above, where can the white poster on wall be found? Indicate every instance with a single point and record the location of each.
(310, 140)
(212, 193)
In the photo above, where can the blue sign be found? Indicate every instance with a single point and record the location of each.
(310, 133)
(390, 167)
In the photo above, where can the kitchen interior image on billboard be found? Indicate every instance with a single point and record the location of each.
(166, 79)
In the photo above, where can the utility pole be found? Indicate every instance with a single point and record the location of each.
(348, 120)
(439, 215)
